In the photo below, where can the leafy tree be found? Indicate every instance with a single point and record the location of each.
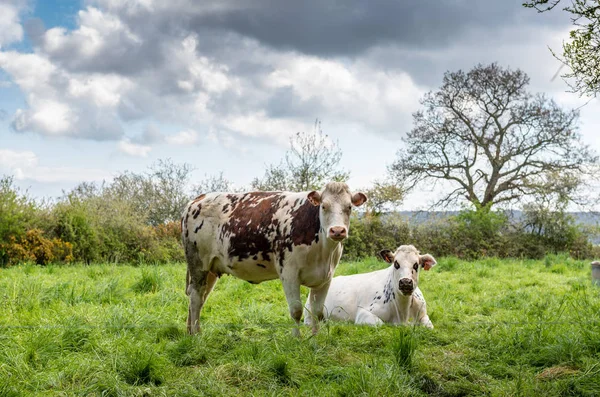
(311, 161)
(582, 53)
(493, 141)
(383, 196)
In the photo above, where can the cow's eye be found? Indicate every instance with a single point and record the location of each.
(396, 265)
(326, 207)
(416, 267)
(349, 208)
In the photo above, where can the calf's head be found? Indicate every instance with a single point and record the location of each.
(336, 203)
(407, 262)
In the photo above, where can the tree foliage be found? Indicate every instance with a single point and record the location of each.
(383, 196)
(312, 160)
(582, 52)
(493, 141)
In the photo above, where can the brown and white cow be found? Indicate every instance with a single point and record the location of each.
(259, 236)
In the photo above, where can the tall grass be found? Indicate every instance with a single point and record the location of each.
(502, 327)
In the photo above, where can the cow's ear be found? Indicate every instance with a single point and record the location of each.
(427, 261)
(315, 198)
(359, 199)
(387, 255)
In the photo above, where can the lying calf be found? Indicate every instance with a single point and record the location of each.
(385, 296)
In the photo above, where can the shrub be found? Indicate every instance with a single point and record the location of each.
(16, 215)
(35, 247)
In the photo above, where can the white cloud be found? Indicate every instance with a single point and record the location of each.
(184, 138)
(115, 69)
(133, 149)
(10, 26)
(25, 165)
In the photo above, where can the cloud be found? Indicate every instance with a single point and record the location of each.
(133, 149)
(61, 103)
(184, 138)
(255, 70)
(150, 136)
(10, 27)
(25, 165)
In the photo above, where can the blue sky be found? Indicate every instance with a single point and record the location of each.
(92, 88)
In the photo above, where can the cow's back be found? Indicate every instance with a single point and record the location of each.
(348, 293)
(247, 234)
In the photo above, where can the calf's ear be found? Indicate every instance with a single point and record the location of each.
(315, 198)
(387, 255)
(427, 261)
(359, 199)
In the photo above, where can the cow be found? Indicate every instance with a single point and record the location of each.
(389, 295)
(259, 236)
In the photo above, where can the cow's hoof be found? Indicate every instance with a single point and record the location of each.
(296, 332)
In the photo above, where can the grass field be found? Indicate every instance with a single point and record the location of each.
(501, 328)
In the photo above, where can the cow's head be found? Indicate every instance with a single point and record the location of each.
(336, 203)
(407, 262)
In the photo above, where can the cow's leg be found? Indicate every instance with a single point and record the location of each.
(291, 287)
(419, 310)
(200, 283)
(314, 311)
(366, 317)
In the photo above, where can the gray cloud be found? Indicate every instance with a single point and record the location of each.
(259, 67)
(333, 28)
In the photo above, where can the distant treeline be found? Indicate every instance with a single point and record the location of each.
(472, 234)
(135, 219)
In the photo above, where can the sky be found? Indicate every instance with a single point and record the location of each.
(91, 88)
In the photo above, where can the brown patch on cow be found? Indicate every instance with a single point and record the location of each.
(199, 198)
(250, 224)
(196, 212)
(305, 224)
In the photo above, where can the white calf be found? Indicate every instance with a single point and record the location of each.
(385, 296)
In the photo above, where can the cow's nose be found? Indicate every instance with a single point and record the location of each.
(337, 233)
(406, 285)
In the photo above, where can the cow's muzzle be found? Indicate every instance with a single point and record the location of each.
(338, 233)
(406, 286)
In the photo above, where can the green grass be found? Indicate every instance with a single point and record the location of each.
(502, 328)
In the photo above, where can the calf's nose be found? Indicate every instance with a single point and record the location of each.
(338, 233)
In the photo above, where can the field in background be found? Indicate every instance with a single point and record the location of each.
(502, 327)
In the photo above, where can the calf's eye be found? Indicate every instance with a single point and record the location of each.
(416, 266)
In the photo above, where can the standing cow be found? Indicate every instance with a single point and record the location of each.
(384, 296)
(259, 236)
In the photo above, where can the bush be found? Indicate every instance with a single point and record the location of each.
(371, 233)
(16, 215)
(470, 235)
(35, 247)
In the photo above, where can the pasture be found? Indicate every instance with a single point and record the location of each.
(502, 327)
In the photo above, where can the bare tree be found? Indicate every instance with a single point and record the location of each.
(582, 52)
(161, 193)
(214, 183)
(312, 160)
(492, 140)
